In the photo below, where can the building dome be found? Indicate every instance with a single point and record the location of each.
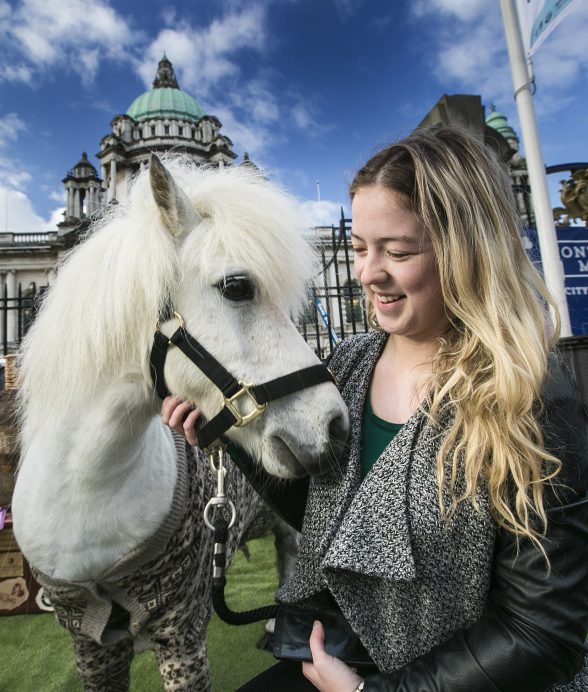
(165, 99)
(83, 168)
(165, 103)
(160, 120)
(499, 122)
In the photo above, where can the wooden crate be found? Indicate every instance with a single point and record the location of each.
(10, 374)
(20, 594)
(8, 446)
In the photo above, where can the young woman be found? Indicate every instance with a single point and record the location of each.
(454, 538)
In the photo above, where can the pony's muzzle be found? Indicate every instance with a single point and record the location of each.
(327, 457)
(338, 436)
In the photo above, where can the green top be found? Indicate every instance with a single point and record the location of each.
(499, 122)
(376, 435)
(164, 102)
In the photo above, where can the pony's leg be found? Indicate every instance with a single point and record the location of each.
(103, 668)
(184, 666)
(179, 641)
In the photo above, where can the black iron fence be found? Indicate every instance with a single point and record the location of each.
(334, 306)
(17, 312)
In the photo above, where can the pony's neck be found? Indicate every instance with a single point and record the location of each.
(102, 477)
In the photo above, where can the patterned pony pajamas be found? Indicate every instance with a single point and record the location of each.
(159, 596)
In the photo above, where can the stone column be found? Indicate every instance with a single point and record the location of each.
(76, 204)
(112, 180)
(12, 321)
(2, 282)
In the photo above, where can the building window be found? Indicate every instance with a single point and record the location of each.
(166, 129)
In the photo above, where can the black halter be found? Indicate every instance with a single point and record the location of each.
(232, 390)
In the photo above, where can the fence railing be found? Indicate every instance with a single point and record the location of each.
(335, 305)
(17, 313)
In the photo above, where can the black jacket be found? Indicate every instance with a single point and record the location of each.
(532, 633)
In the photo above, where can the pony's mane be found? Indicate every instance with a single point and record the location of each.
(98, 318)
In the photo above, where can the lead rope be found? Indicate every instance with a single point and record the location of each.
(221, 527)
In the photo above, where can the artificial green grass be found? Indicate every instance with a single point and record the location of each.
(36, 654)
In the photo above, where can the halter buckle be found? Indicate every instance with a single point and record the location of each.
(231, 404)
(177, 316)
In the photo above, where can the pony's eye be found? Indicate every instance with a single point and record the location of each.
(237, 287)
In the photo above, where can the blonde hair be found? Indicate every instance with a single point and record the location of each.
(492, 361)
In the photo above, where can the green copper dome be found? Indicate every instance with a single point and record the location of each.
(165, 103)
(165, 100)
(499, 122)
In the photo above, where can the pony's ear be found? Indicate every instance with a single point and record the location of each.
(177, 213)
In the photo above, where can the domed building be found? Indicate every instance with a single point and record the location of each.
(499, 122)
(468, 112)
(160, 119)
(163, 118)
(517, 164)
(83, 192)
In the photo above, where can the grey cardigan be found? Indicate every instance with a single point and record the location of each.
(403, 577)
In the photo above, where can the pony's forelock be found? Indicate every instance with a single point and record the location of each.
(249, 223)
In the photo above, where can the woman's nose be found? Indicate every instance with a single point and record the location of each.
(371, 269)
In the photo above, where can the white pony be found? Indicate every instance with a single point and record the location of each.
(102, 485)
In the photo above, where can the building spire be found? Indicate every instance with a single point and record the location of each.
(165, 77)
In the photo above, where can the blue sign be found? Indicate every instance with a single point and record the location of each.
(573, 251)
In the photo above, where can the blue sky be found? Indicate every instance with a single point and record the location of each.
(310, 88)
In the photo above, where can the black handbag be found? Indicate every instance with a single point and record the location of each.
(293, 628)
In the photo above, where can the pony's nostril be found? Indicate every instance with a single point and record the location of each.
(338, 432)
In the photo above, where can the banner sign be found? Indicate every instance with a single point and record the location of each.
(538, 18)
(572, 242)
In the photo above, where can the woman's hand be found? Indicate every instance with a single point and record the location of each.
(181, 417)
(327, 673)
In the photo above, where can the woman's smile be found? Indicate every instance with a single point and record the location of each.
(396, 265)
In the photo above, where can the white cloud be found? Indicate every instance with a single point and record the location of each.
(562, 59)
(347, 8)
(57, 196)
(76, 35)
(323, 213)
(204, 56)
(17, 214)
(256, 100)
(16, 73)
(56, 217)
(254, 138)
(469, 52)
(254, 111)
(263, 104)
(301, 116)
(12, 175)
(462, 9)
(10, 127)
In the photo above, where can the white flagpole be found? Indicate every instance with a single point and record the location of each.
(552, 266)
